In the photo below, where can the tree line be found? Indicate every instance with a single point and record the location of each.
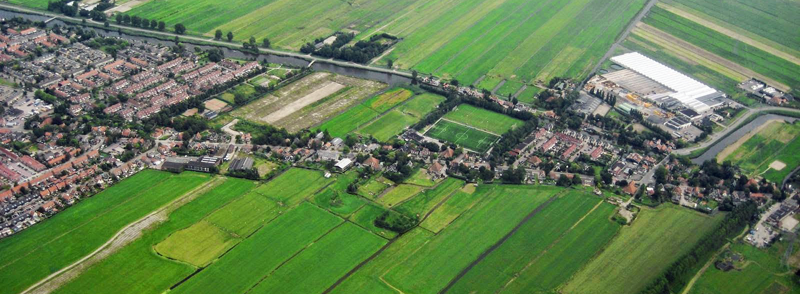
(681, 271)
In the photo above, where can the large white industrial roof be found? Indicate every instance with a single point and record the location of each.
(686, 89)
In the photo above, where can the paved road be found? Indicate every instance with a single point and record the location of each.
(308, 57)
(716, 136)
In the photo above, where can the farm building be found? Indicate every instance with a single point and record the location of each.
(241, 164)
(683, 89)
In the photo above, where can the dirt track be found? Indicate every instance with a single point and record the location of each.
(324, 91)
(124, 237)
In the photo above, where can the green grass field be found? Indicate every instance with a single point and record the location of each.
(426, 201)
(483, 119)
(399, 194)
(726, 47)
(383, 102)
(758, 272)
(420, 178)
(285, 190)
(136, 268)
(245, 215)
(435, 263)
(335, 198)
(374, 187)
(265, 251)
(70, 235)
(470, 138)
(777, 141)
(197, 245)
(317, 267)
(349, 121)
(641, 252)
(529, 94)
(421, 105)
(389, 125)
(458, 203)
(528, 260)
(365, 218)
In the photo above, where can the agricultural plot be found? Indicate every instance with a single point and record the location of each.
(335, 198)
(399, 194)
(525, 261)
(421, 105)
(197, 245)
(265, 251)
(386, 101)
(245, 215)
(285, 190)
(244, 90)
(485, 120)
(422, 204)
(771, 152)
(756, 271)
(374, 187)
(349, 121)
(641, 252)
(340, 250)
(308, 101)
(778, 71)
(440, 260)
(365, 218)
(47, 247)
(461, 201)
(389, 125)
(420, 178)
(528, 95)
(461, 135)
(38, 4)
(136, 268)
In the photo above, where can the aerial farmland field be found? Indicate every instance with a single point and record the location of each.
(308, 101)
(771, 151)
(483, 119)
(641, 252)
(70, 235)
(140, 266)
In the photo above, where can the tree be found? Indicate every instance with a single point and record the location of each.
(253, 41)
(136, 21)
(218, 35)
(390, 63)
(179, 29)
(265, 43)
(413, 77)
(106, 24)
(153, 24)
(118, 18)
(161, 25)
(564, 181)
(230, 36)
(126, 19)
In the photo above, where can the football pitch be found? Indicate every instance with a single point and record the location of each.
(461, 135)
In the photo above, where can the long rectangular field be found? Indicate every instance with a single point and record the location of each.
(461, 135)
(771, 152)
(483, 119)
(55, 243)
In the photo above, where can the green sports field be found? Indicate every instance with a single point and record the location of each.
(482, 119)
(461, 135)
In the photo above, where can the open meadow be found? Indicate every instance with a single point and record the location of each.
(57, 242)
(482, 119)
(308, 101)
(771, 152)
(383, 116)
(642, 251)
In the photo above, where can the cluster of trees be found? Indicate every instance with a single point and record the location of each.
(361, 52)
(74, 10)
(397, 222)
(681, 271)
(250, 174)
(135, 21)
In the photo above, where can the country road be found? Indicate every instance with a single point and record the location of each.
(308, 57)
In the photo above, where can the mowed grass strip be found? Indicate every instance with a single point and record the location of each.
(421, 105)
(483, 119)
(245, 215)
(287, 190)
(424, 202)
(469, 138)
(197, 245)
(320, 265)
(136, 268)
(527, 244)
(569, 254)
(457, 204)
(399, 194)
(368, 279)
(198, 16)
(389, 125)
(47, 247)
(349, 121)
(642, 251)
(440, 260)
(254, 258)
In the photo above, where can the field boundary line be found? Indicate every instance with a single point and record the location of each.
(479, 201)
(295, 255)
(471, 127)
(85, 223)
(359, 265)
(500, 242)
(180, 201)
(435, 207)
(554, 243)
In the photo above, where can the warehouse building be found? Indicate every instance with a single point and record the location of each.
(682, 89)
